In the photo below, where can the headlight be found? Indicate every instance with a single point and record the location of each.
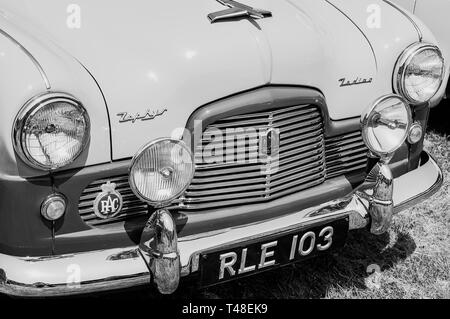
(419, 73)
(161, 171)
(51, 131)
(385, 126)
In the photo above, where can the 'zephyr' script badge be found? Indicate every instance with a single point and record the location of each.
(148, 115)
(237, 10)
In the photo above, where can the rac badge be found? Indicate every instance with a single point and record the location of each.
(108, 203)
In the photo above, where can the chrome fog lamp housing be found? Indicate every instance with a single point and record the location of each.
(51, 130)
(419, 73)
(386, 125)
(161, 171)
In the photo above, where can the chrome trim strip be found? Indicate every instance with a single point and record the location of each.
(32, 58)
(206, 188)
(360, 30)
(72, 274)
(107, 284)
(408, 199)
(419, 32)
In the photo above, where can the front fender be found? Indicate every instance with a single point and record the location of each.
(21, 226)
(20, 79)
(34, 65)
(30, 66)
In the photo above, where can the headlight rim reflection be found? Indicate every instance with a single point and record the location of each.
(31, 108)
(367, 115)
(139, 154)
(402, 63)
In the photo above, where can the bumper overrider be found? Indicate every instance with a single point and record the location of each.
(162, 258)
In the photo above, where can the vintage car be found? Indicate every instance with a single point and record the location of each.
(148, 143)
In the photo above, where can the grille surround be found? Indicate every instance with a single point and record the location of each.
(302, 149)
(301, 136)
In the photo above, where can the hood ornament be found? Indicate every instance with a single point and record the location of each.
(237, 10)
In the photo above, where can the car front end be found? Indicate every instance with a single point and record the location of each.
(196, 154)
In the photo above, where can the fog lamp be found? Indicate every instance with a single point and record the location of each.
(161, 171)
(386, 125)
(53, 207)
(415, 133)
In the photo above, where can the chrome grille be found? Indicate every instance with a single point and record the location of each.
(306, 159)
(301, 159)
(345, 154)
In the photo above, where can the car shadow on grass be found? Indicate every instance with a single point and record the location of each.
(348, 269)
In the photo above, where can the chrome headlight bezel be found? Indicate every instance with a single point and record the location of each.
(137, 157)
(404, 60)
(365, 127)
(31, 108)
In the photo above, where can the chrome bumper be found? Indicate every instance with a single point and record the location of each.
(127, 267)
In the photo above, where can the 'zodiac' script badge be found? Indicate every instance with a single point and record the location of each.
(108, 203)
(148, 115)
(344, 82)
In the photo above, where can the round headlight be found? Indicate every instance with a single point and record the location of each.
(51, 131)
(385, 126)
(162, 171)
(419, 73)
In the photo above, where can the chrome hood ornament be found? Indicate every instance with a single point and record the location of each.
(237, 10)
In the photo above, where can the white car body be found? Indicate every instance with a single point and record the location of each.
(168, 62)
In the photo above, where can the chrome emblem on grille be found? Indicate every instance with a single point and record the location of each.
(270, 142)
(237, 10)
(269, 147)
(108, 203)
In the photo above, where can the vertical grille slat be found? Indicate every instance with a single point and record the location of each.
(305, 159)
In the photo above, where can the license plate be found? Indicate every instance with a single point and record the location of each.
(253, 257)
